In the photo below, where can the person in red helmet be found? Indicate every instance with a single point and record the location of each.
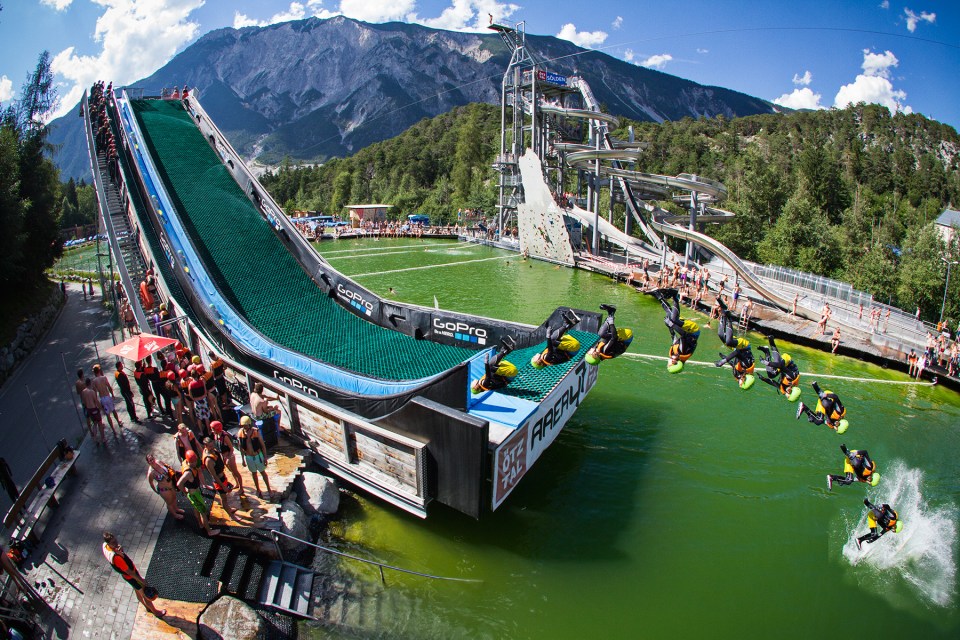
(172, 388)
(215, 465)
(225, 445)
(189, 484)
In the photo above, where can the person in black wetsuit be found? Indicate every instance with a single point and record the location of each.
(829, 408)
(857, 467)
(498, 373)
(684, 332)
(613, 341)
(740, 360)
(880, 520)
(782, 371)
(560, 347)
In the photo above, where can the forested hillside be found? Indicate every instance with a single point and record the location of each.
(847, 193)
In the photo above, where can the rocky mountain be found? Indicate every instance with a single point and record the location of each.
(314, 89)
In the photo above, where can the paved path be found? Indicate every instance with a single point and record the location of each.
(87, 598)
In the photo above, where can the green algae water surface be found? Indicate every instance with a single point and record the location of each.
(671, 505)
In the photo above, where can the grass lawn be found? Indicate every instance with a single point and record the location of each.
(17, 308)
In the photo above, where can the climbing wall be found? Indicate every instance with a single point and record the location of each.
(543, 233)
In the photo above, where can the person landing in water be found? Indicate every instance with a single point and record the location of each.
(560, 347)
(829, 410)
(782, 372)
(613, 341)
(684, 332)
(857, 467)
(880, 520)
(498, 373)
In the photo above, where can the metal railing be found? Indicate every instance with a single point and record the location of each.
(380, 565)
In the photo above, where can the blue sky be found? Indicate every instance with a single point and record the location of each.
(814, 53)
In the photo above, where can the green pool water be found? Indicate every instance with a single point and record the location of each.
(671, 505)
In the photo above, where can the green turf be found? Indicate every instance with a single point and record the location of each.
(534, 384)
(256, 273)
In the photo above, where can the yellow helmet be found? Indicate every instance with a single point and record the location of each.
(787, 358)
(742, 343)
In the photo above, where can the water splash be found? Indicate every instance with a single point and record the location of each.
(922, 555)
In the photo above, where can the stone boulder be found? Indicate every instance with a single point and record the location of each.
(318, 493)
(294, 523)
(231, 618)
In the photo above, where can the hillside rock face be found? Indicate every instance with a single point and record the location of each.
(313, 88)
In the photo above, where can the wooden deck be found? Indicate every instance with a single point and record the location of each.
(283, 466)
(180, 621)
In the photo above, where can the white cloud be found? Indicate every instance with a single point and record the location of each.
(59, 5)
(658, 61)
(618, 22)
(379, 11)
(461, 15)
(913, 19)
(804, 80)
(6, 89)
(469, 15)
(137, 37)
(703, 51)
(587, 39)
(878, 64)
(296, 11)
(885, 4)
(873, 85)
(803, 98)
(628, 55)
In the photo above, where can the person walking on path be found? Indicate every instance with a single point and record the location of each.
(80, 384)
(143, 383)
(122, 564)
(93, 409)
(105, 390)
(253, 449)
(123, 383)
(189, 483)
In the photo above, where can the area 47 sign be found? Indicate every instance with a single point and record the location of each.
(517, 453)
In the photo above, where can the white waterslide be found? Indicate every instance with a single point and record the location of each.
(659, 219)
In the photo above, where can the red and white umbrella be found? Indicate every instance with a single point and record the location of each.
(141, 346)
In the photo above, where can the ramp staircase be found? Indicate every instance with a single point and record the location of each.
(287, 587)
(129, 256)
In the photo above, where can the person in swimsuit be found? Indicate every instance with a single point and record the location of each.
(162, 479)
(197, 392)
(92, 408)
(189, 483)
(253, 449)
(104, 389)
(224, 442)
(214, 464)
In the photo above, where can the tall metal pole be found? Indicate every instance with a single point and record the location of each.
(946, 286)
(37, 416)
